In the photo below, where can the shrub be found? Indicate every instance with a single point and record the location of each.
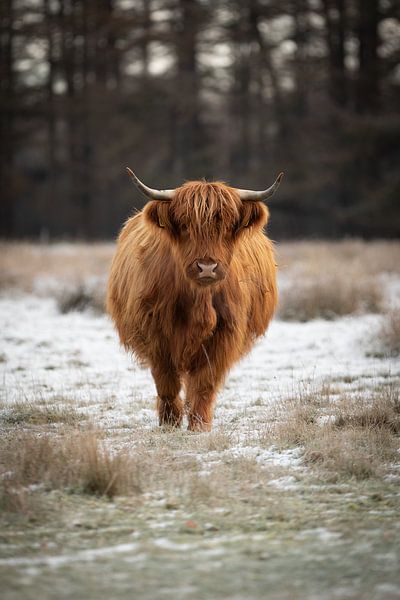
(329, 297)
(387, 337)
(80, 298)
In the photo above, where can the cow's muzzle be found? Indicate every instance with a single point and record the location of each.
(205, 271)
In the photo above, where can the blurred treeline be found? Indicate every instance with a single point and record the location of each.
(182, 89)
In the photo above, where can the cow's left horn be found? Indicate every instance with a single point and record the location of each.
(254, 196)
(165, 195)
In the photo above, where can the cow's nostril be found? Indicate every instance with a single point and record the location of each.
(207, 269)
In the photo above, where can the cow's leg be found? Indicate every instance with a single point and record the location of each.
(201, 392)
(169, 404)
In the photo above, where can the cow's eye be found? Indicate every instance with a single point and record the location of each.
(240, 226)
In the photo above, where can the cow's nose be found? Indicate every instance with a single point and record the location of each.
(207, 269)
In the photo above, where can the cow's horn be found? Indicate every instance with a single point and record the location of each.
(165, 195)
(254, 196)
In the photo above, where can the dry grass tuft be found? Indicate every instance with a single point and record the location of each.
(30, 413)
(79, 462)
(346, 436)
(358, 452)
(331, 279)
(330, 297)
(217, 441)
(80, 298)
(382, 412)
(387, 337)
(102, 473)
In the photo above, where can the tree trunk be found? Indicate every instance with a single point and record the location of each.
(368, 85)
(189, 129)
(7, 114)
(335, 26)
(51, 117)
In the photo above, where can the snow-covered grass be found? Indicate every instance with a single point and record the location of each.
(304, 449)
(346, 434)
(57, 360)
(34, 412)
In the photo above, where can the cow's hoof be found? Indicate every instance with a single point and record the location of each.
(198, 425)
(172, 423)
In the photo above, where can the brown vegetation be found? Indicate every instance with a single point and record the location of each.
(329, 297)
(82, 297)
(387, 337)
(32, 413)
(79, 462)
(346, 435)
(332, 279)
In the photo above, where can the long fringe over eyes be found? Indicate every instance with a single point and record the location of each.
(206, 208)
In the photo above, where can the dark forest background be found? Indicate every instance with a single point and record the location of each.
(235, 90)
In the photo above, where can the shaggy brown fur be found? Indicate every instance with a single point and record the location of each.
(191, 334)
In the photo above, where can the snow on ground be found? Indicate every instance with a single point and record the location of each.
(76, 357)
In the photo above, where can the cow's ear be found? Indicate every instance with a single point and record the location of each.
(157, 213)
(253, 214)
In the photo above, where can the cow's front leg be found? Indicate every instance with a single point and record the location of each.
(169, 404)
(201, 391)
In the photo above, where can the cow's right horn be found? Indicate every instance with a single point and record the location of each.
(165, 195)
(254, 196)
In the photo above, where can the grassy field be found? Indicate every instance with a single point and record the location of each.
(293, 495)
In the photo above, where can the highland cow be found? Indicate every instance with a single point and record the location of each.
(192, 286)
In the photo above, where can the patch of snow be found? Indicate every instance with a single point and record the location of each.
(167, 544)
(326, 420)
(63, 559)
(388, 588)
(320, 533)
(159, 525)
(285, 483)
